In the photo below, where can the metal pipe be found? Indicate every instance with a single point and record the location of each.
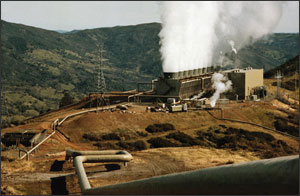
(26, 153)
(75, 153)
(78, 113)
(94, 156)
(37, 146)
(269, 176)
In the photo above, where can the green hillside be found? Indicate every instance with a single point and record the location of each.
(38, 65)
(290, 72)
(270, 52)
(287, 69)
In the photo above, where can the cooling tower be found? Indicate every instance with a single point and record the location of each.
(183, 84)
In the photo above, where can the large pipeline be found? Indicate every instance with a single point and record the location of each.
(269, 176)
(81, 157)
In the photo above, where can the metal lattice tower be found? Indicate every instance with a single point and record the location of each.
(101, 86)
(278, 77)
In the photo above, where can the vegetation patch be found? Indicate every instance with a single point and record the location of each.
(117, 134)
(283, 126)
(137, 145)
(185, 139)
(264, 144)
(92, 136)
(142, 134)
(160, 128)
(106, 146)
(159, 142)
(111, 136)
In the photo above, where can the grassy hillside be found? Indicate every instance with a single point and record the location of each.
(287, 69)
(38, 65)
(270, 52)
(290, 80)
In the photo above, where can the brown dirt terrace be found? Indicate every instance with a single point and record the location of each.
(196, 140)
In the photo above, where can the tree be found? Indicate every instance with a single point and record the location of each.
(66, 100)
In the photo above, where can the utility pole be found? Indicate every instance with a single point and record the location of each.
(278, 77)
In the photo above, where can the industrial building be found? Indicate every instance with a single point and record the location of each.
(185, 84)
(245, 83)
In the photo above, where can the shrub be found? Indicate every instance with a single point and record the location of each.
(281, 125)
(185, 139)
(111, 136)
(31, 113)
(137, 145)
(140, 145)
(159, 142)
(66, 100)
(265, 136)
(293, 131)
(151, 129)
(92, 136)
(142, 134)
(125, 133)
(217, 131)
(106, 145)
(226, 142)
(223, 126)
(160, 127)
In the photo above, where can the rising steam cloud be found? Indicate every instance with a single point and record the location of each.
(221, 84)
(193, 33)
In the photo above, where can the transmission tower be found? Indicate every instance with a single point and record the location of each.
(101, 86)
(278, 77)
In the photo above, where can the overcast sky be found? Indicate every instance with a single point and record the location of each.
(68, 15)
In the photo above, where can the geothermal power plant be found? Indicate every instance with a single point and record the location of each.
(247, 84)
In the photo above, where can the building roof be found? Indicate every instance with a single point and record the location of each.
(248, 69)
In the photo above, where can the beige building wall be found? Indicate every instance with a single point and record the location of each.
(253, 78)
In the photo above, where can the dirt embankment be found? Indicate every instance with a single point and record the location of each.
(197, 140)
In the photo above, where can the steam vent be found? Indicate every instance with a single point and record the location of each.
(183, 84)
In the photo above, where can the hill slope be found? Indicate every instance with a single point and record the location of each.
(289, 82)
(38, 65)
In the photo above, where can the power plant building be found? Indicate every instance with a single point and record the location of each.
(244, 81)
(185, 84)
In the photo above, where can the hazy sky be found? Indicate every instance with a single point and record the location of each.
(68, 15)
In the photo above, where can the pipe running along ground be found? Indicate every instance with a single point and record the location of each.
(251, 123)
(81, 157)
(268, 176)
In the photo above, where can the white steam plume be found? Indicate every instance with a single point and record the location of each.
(232, 46)
(221, 84)
(193, 32)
